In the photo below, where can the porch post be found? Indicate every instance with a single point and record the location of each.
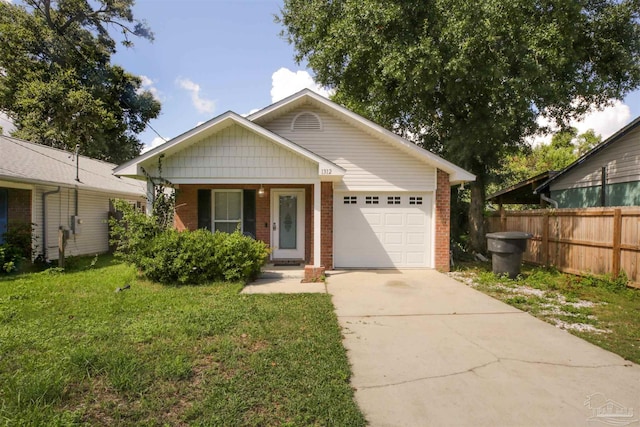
(316, 224)
(150, 196)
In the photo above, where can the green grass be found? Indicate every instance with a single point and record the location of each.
(75, 352)
(615, 312)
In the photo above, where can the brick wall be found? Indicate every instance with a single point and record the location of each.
(19, 209)
(442, 219)
(326, 225)
(186, 217)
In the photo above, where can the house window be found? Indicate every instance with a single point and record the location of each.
(350, 200)
(393, 200)
(415, 200)
(227, 210)
(371, 200)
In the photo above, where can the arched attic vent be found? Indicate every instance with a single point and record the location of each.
(306, 121)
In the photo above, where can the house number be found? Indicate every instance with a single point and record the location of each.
(326, 171)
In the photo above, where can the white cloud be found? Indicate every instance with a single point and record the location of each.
(604, 122)
(148, 85)
(153, 144)
(286, 82)
(203, 105)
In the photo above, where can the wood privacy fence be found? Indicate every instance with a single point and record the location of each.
(579, 241)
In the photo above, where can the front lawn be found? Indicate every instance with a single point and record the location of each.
(74, 351)
(603, 312)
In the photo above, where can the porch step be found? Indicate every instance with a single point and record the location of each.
(270, 271)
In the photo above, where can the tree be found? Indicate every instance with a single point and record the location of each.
(566, 147)
(467, 79)
(57, 82)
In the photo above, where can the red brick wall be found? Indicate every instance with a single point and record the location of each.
(442, 219)
(326, 225)
(186, 217)
(19, 209)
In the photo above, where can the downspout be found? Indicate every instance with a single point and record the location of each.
(44, 220)
(549, 200)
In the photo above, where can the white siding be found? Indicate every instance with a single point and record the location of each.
(237, 153)
(93, 208)
(622, 159)
(371, 164)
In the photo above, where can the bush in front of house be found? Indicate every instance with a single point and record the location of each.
(168, 256)
(192, 257)
(17, 246)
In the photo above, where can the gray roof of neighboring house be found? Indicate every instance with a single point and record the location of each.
(598, 148)
(23, 161)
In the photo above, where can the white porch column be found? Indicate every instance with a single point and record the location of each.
(150, 196)
(316, 223)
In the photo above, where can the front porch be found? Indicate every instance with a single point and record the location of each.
(295, 220)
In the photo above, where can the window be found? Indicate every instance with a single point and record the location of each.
(350, 200)
(371, 200)
(415, 200)
(227, 210)
(393, 200)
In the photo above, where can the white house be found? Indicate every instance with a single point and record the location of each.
(319, 183)
(55, 189)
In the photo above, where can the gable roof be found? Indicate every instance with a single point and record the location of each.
(457, 175)
(133, 167)
(597, 149)
(521, 192)
(26, 162)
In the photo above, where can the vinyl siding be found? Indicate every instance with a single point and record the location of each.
(621, 158)
(371, 164)
(93, 208)
(236, 152)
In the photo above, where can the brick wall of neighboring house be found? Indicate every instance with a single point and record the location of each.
(326, 225)
(186, 217)
(443, 218)
(19, 209)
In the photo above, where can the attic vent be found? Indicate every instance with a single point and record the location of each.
(306, 121)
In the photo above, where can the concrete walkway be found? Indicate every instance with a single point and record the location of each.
(427, 350)
(282, 280)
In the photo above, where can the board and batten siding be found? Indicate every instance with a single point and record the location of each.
(371, 164)
(236, 152)
(93, 208)
(621, 158)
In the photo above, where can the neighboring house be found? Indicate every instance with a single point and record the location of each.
(522, 193)
(38, 185)
(608, 175)
(316, 181)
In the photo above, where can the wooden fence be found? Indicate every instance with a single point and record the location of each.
(579, 241)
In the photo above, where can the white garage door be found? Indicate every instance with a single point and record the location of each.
(382, 230)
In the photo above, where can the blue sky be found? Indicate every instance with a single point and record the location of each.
(211, 56)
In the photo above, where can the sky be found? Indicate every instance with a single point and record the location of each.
(212, 56)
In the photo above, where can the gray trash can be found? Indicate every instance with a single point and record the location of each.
(506, 250)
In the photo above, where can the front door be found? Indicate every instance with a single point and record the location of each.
(287, 224)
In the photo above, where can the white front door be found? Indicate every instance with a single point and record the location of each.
(287, 224)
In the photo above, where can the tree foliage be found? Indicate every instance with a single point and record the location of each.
(565, 148)
(468, 79)
(57, 82)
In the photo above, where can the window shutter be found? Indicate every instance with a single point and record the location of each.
(249, 212)
(204, 209)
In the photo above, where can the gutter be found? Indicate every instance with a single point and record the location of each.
(44, 220)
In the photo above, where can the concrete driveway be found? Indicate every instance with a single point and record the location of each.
(427, 350)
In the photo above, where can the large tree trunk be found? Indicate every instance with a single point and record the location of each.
(477, 239)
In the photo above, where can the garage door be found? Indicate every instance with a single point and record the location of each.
(382, 230)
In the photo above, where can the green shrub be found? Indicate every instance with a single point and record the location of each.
(17, 246)
(201, 256)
